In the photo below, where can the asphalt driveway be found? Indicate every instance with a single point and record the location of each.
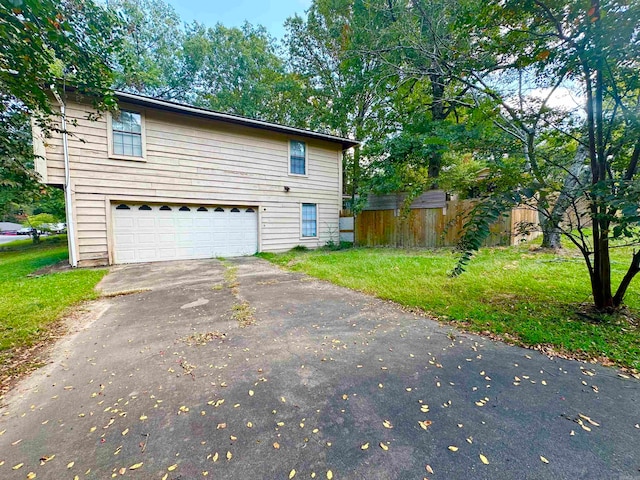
(240, 370)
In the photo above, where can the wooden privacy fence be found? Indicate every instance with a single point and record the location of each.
(436, 227)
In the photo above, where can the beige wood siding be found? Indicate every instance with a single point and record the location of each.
(191, 160)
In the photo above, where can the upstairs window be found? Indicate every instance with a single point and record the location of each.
(126, 129)
(309, 220)
(297, 158)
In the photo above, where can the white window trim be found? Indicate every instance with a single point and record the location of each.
(317, 221)
(306, 159)
(143, 138)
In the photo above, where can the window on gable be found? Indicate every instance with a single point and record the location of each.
(126, 129)
(297, 157)
(309, 220)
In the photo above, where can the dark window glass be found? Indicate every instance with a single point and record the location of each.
(250, 210)
(219, 209)
(184, 209)
(165, 207)
(235, 210)
(202, 209)
(144, 207)
(122, 206)
(127, 133)
(298, 157)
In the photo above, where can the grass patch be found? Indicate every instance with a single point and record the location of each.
(531, 298)
(29, 305)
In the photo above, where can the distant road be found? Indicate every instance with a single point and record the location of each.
(11, 238)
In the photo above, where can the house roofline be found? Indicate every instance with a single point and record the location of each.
(175, 107)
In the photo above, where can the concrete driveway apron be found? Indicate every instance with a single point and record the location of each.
(237, 369)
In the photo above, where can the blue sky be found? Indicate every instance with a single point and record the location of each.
(233, 13)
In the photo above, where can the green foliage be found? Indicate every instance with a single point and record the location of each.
(18, 182)
(42, 42)
(40, 221)
(51, 201)
(43, 38)
(523, 53)
(29, 305)
(462, 176)
(159, 56)
(242, 73)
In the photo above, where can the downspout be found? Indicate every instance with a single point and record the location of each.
(71, 228)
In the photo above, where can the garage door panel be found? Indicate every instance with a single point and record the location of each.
(182, 232)
(123, 222)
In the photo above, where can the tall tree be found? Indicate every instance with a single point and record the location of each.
(594, 48)
(160, 56)
(244, 74)
(347, 88)
(43, 42)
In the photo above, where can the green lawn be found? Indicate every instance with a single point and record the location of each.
(530, 298)
(28, 305)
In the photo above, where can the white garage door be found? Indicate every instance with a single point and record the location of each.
(152, 233)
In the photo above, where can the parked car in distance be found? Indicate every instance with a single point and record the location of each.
(57, 227)
(24, 231)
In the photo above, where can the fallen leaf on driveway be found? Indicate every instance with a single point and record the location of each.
(544, 460)
(387, 424)
(292, 474)
(484, 459)
(365, 446)
(452, 448)
(136, 466)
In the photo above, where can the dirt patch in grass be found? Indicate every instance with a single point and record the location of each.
(18, 362)
(62, 266)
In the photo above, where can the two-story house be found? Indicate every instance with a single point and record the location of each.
(166, 181)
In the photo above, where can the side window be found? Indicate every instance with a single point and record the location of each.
(297, 158)
(127, 134)
(309, 220)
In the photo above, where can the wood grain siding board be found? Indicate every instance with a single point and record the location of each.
(100, 250)
(134, 175)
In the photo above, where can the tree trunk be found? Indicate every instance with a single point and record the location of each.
(551, 234)
(438, 114)
(634, 269)
(355, 174)
(601, 276)
(576, 177)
